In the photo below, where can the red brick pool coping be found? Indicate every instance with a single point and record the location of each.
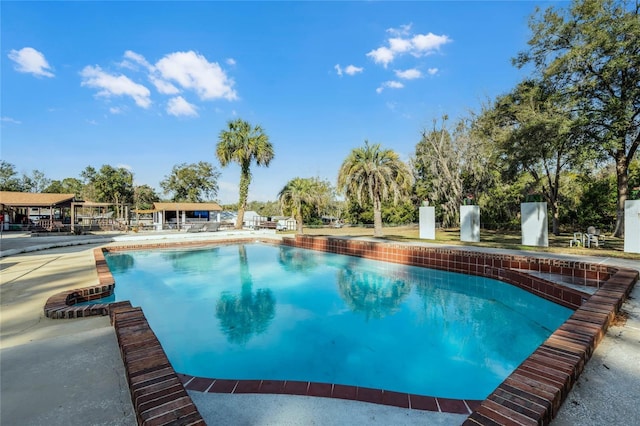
(328, 390)
(531, 394)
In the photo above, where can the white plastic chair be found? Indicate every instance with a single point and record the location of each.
(578, 239)
(592, 237)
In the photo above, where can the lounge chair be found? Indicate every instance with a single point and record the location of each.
(196, 227)
(211, 226)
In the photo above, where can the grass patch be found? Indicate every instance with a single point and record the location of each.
(612, 247)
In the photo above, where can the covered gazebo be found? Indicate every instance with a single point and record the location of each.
(20, 209)
(183, 215)
(90, 215)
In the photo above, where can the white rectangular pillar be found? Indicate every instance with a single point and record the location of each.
(470, 223)
(158, 220)
(632, 226)
(535, 229)
(428, 223)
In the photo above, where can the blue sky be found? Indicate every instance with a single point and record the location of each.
(149, 85)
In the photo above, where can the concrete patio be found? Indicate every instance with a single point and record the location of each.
(62, 371)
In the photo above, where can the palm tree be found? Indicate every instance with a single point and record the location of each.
(374, 295)
(242, 143)
(241, 316)
(373, 175)
(300, 195)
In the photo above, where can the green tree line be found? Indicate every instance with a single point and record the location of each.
(567, 134)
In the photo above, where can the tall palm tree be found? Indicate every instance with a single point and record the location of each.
(374, 295)
(242, 143)
(371, 174)
(300, 195)
(242, 316)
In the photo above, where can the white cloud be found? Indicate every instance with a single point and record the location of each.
(410, 74)
(171, 75)
(389, 85)
(29, 60)
(192, 71)
(138, 59)
(402, 43)
(353, 70)
(163, 86)
(10, 120)
(399, 45)
(129, 65)
(350, 69)
(92, 122)
(425, 44)
(134, 60)
(178, 106)
(432, 71)
(382, 55)
(115, 85)
(403, 30)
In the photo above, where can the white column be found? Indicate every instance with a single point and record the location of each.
(159, 220)
(470, 223)
(428, 223)
(535, 230)
(632, 226)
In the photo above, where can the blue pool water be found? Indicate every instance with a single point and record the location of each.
(257, 311)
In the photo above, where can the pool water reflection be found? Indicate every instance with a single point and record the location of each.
(256, 311)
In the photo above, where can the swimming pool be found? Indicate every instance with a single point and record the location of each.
(276, 312)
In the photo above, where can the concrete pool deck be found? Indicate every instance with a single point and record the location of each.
(604, 394)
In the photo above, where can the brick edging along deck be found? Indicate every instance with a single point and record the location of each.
(157, 393)
(62, 305)
(532, 394)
